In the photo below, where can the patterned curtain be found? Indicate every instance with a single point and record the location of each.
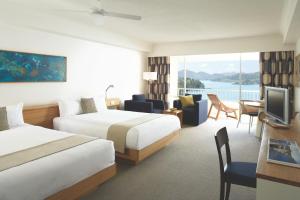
(277, 70)
(159, 89)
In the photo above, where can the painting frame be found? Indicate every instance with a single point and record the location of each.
(297, 71)
(46, 56)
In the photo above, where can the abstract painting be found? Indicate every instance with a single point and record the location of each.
(30, 67)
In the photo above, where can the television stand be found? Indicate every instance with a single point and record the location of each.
(275, 124)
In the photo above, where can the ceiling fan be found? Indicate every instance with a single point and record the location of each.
(99, 12)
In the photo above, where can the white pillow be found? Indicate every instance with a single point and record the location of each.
(100, 103)
(15, 115)
(69, 108)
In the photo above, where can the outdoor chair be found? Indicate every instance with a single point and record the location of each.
(220, 107)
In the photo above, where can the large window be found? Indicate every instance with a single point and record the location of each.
(230, 76)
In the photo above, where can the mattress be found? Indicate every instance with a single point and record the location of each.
(138, 137)
(43, 177)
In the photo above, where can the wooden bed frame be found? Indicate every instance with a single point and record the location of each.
(85, 186)
(44, 115)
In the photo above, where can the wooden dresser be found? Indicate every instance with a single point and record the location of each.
(274, 181)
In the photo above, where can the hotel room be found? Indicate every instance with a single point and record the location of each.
(131, 99)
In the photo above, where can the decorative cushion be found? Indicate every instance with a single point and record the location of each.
(69, 108)
(196, 97)
(88, 105)
(186, 100)
(3, 119)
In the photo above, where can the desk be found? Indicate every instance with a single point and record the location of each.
(274, 181)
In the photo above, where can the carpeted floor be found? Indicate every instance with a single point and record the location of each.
(187, 169)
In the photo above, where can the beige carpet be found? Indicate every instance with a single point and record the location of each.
(187, 169)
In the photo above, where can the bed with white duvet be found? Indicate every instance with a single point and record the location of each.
(41, 178)
(138, 137)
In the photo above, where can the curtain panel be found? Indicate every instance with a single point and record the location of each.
(277, 70)
(159, 89)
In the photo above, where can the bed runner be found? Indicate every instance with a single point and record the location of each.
(117, 132)
(33, 153)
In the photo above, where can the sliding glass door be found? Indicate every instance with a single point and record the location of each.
(231, 76)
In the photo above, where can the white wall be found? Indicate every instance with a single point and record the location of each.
(91, 67)
(234, 45)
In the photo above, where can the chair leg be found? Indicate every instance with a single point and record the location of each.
(210, 110)
(218, 113)
(239, 121)
(222, 190)
(227, 191)
(249, 125)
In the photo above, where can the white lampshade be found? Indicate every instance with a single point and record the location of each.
(297, 99)
(150, 76)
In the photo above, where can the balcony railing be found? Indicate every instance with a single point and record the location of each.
(223, 94)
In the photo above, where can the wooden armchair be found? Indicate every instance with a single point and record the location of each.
(220, 106)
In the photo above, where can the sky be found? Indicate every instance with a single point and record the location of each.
(218, 63)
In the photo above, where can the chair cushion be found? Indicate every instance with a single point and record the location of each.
(186, 100)
(138, 97)
(241, 173)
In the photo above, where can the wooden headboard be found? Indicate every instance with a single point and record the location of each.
(41, 115)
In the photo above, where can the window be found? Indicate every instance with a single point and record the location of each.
(231, 76)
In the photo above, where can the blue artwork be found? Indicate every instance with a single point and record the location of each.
(28, 67)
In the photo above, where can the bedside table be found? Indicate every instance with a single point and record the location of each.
(177, 113)
(113, 103)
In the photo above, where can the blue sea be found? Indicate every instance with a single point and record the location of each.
(229, 91)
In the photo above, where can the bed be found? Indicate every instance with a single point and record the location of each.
(141, 141)
(67, 174)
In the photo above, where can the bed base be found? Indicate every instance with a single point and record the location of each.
(135, 156)
(85, 186)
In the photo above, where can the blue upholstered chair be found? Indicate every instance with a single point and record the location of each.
(196, 114)
(140, 104)
(239, 173)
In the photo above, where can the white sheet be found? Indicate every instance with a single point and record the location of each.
(46, 176)
(97, 124)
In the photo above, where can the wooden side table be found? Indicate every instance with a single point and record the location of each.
(177, 113)
(113, 103)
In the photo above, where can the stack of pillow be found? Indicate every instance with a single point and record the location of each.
(82, 106)
(11, 116)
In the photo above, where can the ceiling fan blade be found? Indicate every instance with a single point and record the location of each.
(120, 15)
(69, 10)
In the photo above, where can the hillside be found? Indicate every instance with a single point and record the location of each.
(248, 78)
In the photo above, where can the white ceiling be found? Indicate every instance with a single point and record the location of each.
(163, 20)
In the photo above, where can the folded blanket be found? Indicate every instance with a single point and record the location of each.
(33, 153)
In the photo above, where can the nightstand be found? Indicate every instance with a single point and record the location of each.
(113, 103)
(177, 113)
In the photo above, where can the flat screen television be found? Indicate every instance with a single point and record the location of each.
(277, 104)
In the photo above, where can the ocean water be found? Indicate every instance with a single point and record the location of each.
(228, 91)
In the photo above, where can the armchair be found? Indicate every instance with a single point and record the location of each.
(193, 115)
(140, 104)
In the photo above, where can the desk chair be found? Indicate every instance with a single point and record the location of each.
(239, 173)
(247, 110)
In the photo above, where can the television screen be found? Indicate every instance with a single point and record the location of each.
(276, 103)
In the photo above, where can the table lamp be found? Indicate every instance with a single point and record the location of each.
(110, 86)
(150, 76)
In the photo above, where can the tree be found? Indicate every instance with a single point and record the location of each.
(190, 83)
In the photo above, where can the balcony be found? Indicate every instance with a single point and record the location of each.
(229, 95)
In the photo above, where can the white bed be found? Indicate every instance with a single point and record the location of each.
(97, 124)
(46, 176)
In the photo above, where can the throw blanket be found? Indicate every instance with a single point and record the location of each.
(33, 153)
(117, 132)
